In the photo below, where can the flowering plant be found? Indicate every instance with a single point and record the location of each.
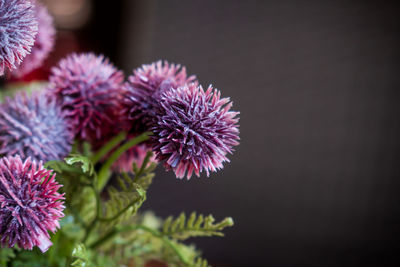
(78, 155)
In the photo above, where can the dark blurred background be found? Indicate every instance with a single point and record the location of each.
(316, 179)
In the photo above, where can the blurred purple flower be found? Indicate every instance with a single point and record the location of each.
(134, 155)
(18, 28)
(144, 89)
(44, 42)
(90, 91)
(30, 205)
(195, 130)
(34, 126)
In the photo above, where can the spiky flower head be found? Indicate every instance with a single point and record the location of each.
(194, 130)
(30, 205)
(44, 42)
(145, 87)
(18, 28)
(34, 126)
(89, 89)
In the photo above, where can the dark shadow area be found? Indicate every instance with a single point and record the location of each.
(316, 179)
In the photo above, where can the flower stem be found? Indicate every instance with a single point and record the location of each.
(108, 147)
(104, 173)
(91, 226)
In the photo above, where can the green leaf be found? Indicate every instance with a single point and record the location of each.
(200, 262)
(123, 203)
(80, 256)
(6, 254)
(86, 164)
(182, 228)
(58, 166)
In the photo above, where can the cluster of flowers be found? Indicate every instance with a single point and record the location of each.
(193, 129)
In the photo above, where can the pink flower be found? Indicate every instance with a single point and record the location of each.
(30, 205)
(89, 89)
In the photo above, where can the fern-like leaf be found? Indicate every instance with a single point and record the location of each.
(80, 256)
(196, 225)
(200, 262)
(123, 203)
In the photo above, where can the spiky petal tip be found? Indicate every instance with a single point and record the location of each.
(194, 130)
(89, 89)
(18, 28)
(44, 42)
(30, 204)
(144, 89)
(34, 126)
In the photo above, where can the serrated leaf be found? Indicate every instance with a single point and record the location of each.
(123, 204)
(86, 164)
(181, 229)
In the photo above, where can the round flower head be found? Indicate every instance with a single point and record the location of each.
(30, 205)
(145, 87)
(44, 42)
(89, 89)
(194, 130)
(18, 28)
(34, 126)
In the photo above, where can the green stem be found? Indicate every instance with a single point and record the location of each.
(144, 164)
(91, 226)
(108, 147)
(155, 233)
(104, 173)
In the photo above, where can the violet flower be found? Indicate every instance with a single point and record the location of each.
(18, 28)
(44, 42)
(144, 89)
(30, 205)
(194, 130)
(34, 126)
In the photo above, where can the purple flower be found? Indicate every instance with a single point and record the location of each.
(89, 89)
(194, 130)
(30, 205)
(44, 42)
(34, 127)
(18, 28)
(144, 89)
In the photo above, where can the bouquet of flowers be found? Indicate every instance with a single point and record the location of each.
(79, 150)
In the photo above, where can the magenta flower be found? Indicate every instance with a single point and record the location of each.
(34, 127)
(145, 87)
(44, 42)
(18, 28)
(89, 89)
(30, 205)
(194, 130)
